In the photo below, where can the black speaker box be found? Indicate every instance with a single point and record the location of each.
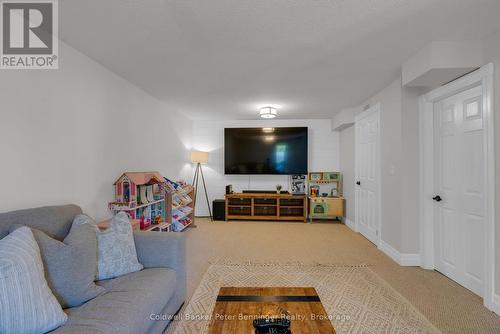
(219, 209)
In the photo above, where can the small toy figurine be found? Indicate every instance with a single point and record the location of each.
(145, 222)
(142, 224)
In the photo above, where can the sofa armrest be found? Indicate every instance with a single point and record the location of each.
(164, 250)
(161, 249)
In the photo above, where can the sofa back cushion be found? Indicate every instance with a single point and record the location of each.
(70, 266)
(55, 221)
(117, 254)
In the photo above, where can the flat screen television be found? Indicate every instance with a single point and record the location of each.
(281, 151)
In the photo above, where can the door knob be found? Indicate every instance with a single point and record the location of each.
(358, 183)
(437, 198)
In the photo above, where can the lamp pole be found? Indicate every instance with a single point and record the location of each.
(198, 171)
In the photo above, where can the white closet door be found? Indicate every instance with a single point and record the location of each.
(459, 185)
(367, 178)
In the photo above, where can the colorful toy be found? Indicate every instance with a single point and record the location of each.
(141, 196)
(154, 202)
(132, 187)
(330, 205)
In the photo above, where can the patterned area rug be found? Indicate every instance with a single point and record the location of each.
(355, 298)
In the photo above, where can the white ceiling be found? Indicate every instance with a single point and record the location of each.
(222, 59)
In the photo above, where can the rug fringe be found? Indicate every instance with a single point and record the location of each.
(228, 262)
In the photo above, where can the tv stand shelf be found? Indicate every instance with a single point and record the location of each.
(266, 206)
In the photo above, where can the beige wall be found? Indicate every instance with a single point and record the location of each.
(492, 55)
(390, 99)
(410, 241)
(67, 134)
(347, 170)
(399, 164)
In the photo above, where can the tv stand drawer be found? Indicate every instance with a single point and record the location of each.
(240, 211)
(265, 200)
(292, 202)
(239, 201)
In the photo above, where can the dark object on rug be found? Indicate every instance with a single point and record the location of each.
(272, 326)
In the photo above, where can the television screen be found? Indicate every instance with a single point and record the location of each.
(265, 150)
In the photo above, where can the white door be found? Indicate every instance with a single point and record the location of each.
(459, 188)
(367, 175)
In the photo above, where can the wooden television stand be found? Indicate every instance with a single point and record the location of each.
(262, 206)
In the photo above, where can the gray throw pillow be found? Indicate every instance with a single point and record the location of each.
(71, 266)
(26, 303)
(117, 253)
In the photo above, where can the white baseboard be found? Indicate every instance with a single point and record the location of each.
(495, 304)
(389, 251)
(349, 223)
(403, 259)
(410, 260)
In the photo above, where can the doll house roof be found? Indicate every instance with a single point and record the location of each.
(140, 178)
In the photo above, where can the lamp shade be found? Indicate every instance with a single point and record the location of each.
(199, 157)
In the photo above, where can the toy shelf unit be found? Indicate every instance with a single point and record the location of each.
(141, 195)
(325, 200)
(181, 202)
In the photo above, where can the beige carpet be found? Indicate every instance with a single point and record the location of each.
(450, 307)
(355, 298)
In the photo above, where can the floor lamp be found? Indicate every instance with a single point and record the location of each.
(198, 158)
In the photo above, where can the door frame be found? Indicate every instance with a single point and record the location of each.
(376, 110)
(483, 77)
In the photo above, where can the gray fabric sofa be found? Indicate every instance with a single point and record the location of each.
(140, 302)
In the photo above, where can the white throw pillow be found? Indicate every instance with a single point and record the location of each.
(116, 247)
(26, 303)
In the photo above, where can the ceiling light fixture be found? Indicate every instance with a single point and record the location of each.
(268, 112)
(267, 130)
